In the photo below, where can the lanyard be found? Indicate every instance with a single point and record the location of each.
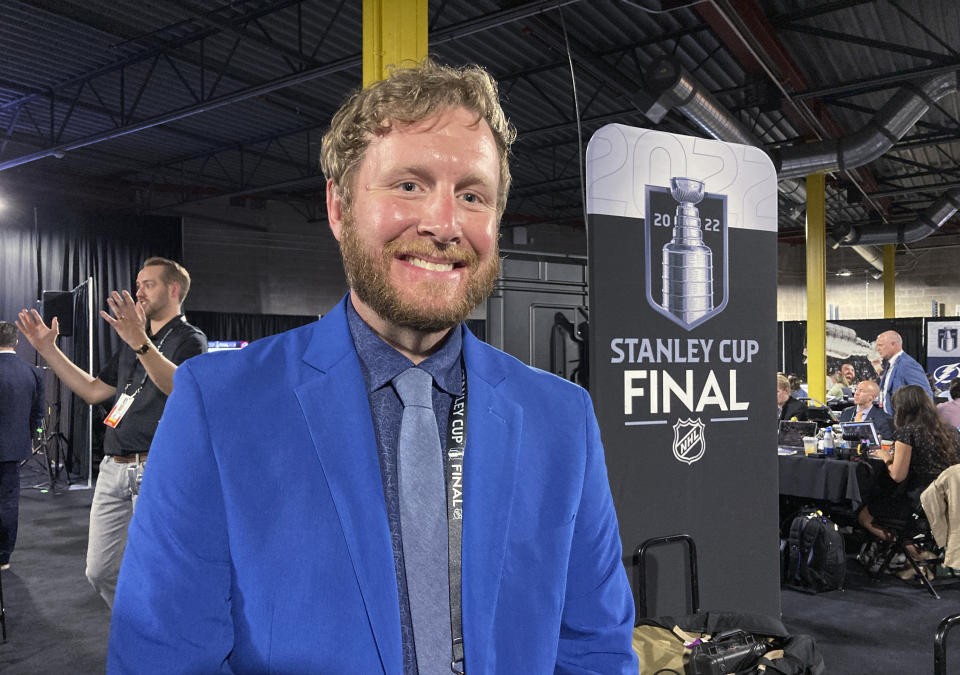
(453, 471)
(143, 381)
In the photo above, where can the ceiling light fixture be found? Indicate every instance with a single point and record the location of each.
(843, 272)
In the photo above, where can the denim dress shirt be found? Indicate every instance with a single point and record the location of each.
(380, 363)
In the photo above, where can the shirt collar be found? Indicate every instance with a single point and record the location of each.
(893, 359)
(172, 322)
(382, 362)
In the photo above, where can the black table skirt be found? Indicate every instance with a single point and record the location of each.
(838, 481)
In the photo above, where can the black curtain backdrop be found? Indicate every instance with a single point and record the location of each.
(56, 248)
(249, 327)
(792, 338)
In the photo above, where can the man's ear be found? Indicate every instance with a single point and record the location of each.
(175, 289)
(334, 209)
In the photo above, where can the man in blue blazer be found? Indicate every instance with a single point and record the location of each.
(863, 410)
(272, 533)
(21, 411)
(902, 369)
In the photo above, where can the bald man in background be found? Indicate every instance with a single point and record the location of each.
(901, 369)
(864, 410)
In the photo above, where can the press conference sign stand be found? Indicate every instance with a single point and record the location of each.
(683, 283)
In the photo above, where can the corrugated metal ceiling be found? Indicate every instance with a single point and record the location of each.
(164, 62)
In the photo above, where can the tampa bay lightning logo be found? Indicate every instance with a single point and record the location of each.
(945, 373)
(685, 245)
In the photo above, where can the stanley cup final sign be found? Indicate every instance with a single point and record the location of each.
(683, 277)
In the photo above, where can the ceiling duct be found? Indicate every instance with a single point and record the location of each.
(674, 87)
(895, 119)
(903, 233)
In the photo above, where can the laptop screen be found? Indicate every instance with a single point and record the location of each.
(820, 414)
(791, 433)
(864, 431)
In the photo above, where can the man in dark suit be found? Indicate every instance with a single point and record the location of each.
(21, 403)
(865, 411)
(788, 407)
(901, 369)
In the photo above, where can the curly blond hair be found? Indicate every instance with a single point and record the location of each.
(411, 94)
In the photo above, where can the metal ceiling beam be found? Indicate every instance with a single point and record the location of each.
(60, 93)
(817, 10)
(924, 141)
(145, 55)
(864, 41)
(769, 47)
(598, 69)
(232, 26)
(919, 124)
(453, 32)
(871, 84)
(225, 148)
(935, 188)
(496, 19)
(187, 111)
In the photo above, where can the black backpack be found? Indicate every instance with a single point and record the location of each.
(813, 556)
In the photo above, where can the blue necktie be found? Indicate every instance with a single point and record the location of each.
(423, 522)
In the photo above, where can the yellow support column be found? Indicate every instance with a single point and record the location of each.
(394, 31)
(816, 288)
(889, 281)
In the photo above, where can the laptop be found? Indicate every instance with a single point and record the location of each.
(790, 435)
(823, 415)
(860, 431)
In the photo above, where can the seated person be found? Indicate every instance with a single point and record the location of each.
(863, 410)
(950, 411)
(788, 408)
(923, 447)
(836, 384)
(849, 373)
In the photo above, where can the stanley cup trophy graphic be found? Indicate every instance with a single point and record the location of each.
(947, 339)
(687, 261)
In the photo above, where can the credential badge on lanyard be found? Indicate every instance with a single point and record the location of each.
(123, 403)
(119, 409)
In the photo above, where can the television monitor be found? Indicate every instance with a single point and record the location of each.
(225, 345)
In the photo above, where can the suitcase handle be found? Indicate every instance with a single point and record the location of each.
(640, 562)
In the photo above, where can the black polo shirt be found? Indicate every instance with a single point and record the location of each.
(178, 341)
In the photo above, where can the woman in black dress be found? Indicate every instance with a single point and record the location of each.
(923, 447)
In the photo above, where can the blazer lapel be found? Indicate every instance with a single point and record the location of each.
(494, 424)
(337, 412)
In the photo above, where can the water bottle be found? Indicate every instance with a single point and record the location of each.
(828, 442)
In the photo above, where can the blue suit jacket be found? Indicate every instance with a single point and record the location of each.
(905, 370)
(260, 540)
(21, 406)
(882, 422)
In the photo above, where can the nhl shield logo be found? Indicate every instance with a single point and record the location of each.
(688, 441)
(685, 246)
